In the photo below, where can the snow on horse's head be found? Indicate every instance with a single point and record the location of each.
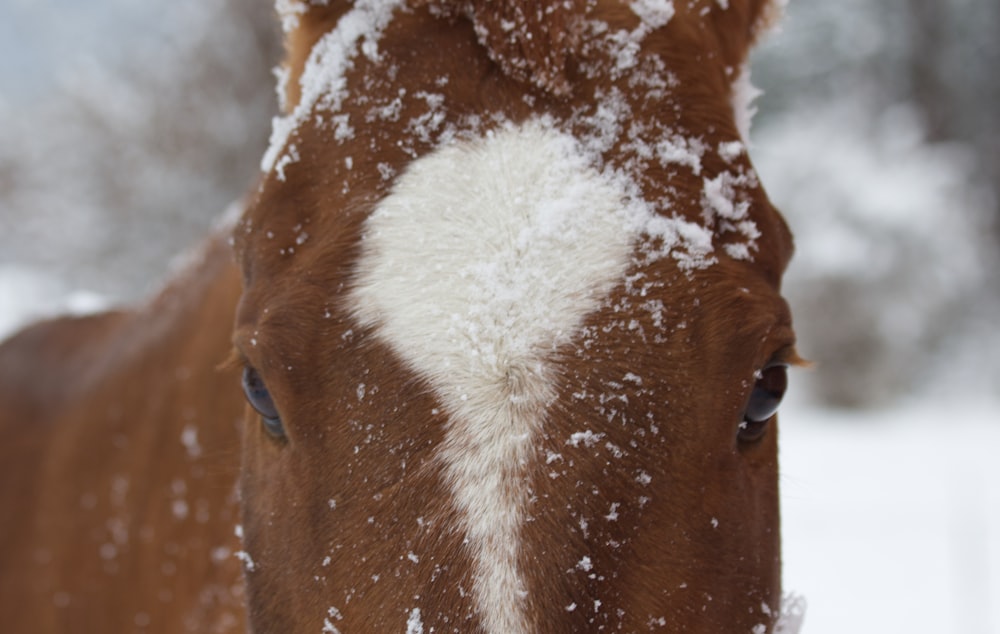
(511, 323)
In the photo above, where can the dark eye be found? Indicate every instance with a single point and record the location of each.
(260, 399)
(765, 398)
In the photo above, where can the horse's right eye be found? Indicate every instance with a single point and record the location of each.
(260, 399)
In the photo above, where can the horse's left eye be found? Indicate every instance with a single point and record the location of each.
(764, 401)
(260, 399)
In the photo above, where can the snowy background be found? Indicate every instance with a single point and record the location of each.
(126, 127)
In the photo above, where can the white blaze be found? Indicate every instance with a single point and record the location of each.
(484, 259)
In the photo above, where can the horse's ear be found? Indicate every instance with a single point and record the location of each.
(529, 40)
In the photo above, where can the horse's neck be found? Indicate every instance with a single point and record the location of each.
(130, 435)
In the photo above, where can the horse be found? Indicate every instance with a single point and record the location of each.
(505, 311)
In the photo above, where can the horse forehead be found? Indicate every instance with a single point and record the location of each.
(637, 76)
(494, 248)
(683, 181)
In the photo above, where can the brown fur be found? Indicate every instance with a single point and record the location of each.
(544, 46)
(530, 41)
(331, 514)
(669, 558)
(94, 469)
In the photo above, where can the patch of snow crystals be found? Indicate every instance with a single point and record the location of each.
(720, 196)
(743, 95)
(323, 82)
(730, 150)
(414, 625)
(289, 11)
(793, 612)
(328, 626)
(248, 563)
(726, 206)
(588, 438)
(189, 438)
(624, 45)
(653, 13)
(680, 150)
(281, 77)
(179, 509)
(290, 156)
(388, 112)
(426, 125)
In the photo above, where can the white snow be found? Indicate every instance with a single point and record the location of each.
(744, 93)
(891, 519)
(587, 437)
(323, 81)
(328, 626)
(289, 12)
(248, 563)
(189, 438)
(414, 625)
(653, 13)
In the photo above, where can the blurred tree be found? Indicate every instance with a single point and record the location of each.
(153, 143)
(953, 61)
(879, 139)
(941, 57)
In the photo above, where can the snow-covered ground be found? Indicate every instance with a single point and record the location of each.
(892, 518)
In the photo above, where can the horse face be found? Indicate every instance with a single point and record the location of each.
(512, 328)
